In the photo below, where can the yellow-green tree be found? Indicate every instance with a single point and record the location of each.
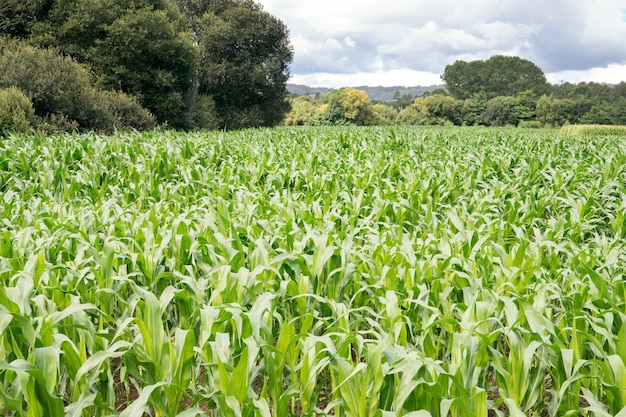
(439, 109)
(384, 115)
(349, 106)
(305, 111)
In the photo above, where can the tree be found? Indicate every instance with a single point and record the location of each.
(439, 109)
(501, 111)
(473, 109)
(348, 106)
(303, 112)
(498, 76)
(384, 114)
(601, 113)
(553, 112)
(61, 90)
(411, 116)
(192, 63)
(17, 17)
(464, 79)
(144, 53)
(142, 48)
(245, 55)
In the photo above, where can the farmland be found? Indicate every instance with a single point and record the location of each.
(324, 271)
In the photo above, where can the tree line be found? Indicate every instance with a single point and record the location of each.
(500, 91)
(119, 64)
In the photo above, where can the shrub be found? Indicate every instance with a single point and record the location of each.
(16, 110)
(54, 83)
(62, 93)
(115, 110)
(501, 111)
(411, 116)
(530, 124)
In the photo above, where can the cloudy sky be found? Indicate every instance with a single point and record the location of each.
(409, 42)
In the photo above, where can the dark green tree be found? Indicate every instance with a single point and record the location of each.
(145, 54)
(141, 47)
(245, 55)
(498, 76)
(473, 108)
(62, 91)
(17, 17)
(554, 112)
(464, 79)
(501, 111)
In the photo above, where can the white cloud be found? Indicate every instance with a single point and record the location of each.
(377, 38)
(399, 77)
(612, 74)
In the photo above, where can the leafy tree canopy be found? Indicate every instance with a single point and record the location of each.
(244, 61)
(192, 63)
(498, 76)
(349, 106)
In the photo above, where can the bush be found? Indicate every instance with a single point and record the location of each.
(56, 122)
(54, 83)
(113, 110)
(16, 111)
(384, 115)
(62, 93)
(530, 124)
(501, 111)
(411, 116)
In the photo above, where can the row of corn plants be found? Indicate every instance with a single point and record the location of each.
(308, 272)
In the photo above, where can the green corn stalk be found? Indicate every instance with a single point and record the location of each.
(520, 375)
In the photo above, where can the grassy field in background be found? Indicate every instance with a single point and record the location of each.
(321, 271)
(594, 130)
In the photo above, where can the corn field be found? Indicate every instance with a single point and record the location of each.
(309, 272)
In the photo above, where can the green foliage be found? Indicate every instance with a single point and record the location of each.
(384, 114)
(502, 111)
(411, 116)
(112, 110)
(594, 130)
(204, 114)
(244, 61)
(54, 83)
(192, 64)
(141, 48)
(405, 271)
(146, 54)
(530, 124)
(603, 112)
(439, 109)
(16, 111)
(473, 109)
(304, 111)
(554, 112)
(62, 94)
(497, 76)
(348, 106)
(17, 17)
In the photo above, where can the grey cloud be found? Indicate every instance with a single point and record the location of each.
(559, 35)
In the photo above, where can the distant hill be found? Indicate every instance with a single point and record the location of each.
(374, 93)
(305, 90)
